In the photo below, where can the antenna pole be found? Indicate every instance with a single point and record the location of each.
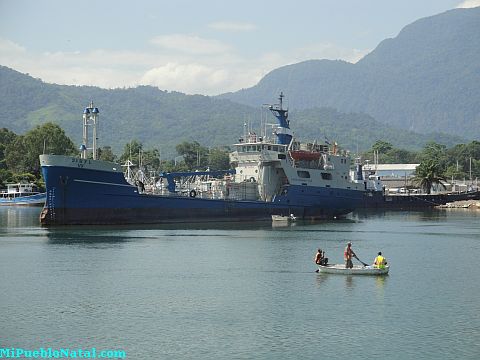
(90, 118)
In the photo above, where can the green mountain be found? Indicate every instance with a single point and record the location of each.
(157, 118)
(425, 79)
(162, 119)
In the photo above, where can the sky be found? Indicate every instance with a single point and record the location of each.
(193, 46)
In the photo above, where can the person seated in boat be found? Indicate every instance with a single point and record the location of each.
(320, 258)
(379, 261)
(347, 256)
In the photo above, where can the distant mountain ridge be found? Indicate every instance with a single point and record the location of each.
(162, 119)
(158, 118)
(425, 79)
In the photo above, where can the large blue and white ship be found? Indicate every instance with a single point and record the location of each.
(273, 174)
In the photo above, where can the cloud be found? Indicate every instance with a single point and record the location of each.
(187, 73)
(10, 49)
(102, 68)
(189, 44)
(232, 26)
(208, 67)
(469, 4)
(196, 78)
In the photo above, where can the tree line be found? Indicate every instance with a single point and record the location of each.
(19, 156)
(461, 161)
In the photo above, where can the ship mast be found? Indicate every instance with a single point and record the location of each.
(90, 118)
(283, 132)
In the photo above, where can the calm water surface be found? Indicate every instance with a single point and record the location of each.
(245, 291)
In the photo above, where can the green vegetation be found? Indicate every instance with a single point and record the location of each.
(196, 156)
(437, 163)
(421, 86)
(19, 156)
(161, 119)
(464, 161)
(425, 80)
(134, 151)
(358, 132)
(428, 174)
(19, 153)
(388, 154)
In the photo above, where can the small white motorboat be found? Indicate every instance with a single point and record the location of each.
(356, 270)
(283, 218)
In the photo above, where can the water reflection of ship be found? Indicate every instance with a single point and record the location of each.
(18, 216)
(79, 236)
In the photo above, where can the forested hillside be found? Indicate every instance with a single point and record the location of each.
(162, 119)
(158, 118)
(425, 79)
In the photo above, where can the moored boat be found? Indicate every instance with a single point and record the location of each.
(284, 218)
(22, 194)
(356, 270)
(265, 181)
(378, 197)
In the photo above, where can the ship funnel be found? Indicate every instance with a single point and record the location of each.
(283, 131)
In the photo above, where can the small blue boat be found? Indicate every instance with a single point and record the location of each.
(22, 194)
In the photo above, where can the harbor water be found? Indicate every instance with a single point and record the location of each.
(244, 291)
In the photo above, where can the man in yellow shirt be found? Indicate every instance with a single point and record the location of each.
(380, 261)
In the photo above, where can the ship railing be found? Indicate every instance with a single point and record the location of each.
(178, 181)
(256, 139)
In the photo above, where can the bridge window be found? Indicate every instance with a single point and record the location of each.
(326, 176)
(303, 174)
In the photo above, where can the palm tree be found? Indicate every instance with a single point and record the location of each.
(428, 174)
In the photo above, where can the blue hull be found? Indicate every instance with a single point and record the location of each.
(86, 196)
(378, 200)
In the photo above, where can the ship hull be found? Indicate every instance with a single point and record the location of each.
(92, 192)
(377, 200)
